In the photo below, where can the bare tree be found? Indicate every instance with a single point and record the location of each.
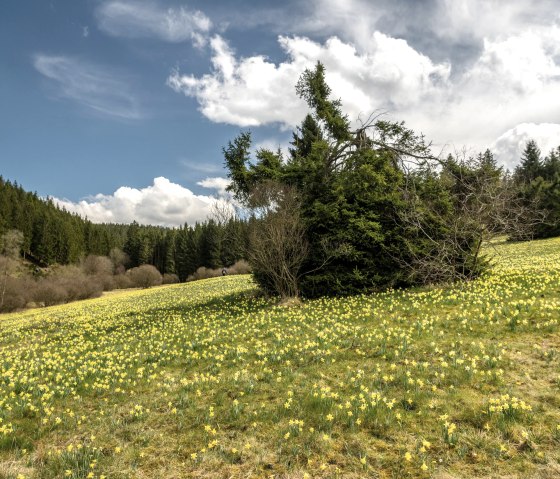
(10, 246)
(94, 265)
(222, 211)
(277, 241)
(119, 259)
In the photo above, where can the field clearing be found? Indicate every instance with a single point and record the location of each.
(206, 379)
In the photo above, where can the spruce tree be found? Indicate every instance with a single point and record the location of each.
(530, 166)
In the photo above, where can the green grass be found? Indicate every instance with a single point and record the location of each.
(206, 379)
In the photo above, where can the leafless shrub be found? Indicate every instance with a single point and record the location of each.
(240, 267)
(80, 287)
(119, 259)
(94, 265)
(278, 245)
(145, 276)
(170, 278)
(10, 246)
(18, 294)
(122, 281)
(48, 292)
(204, 273)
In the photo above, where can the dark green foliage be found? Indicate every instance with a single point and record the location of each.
(233, 243)
(531, 166)
(210, 246)
(538, 181)
(353, 195)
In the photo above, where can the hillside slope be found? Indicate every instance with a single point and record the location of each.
(206, 380)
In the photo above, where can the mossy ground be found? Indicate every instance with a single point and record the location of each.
(206, 379)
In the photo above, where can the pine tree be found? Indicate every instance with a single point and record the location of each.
(530, 167)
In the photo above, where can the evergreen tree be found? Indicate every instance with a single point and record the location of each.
(351, 191)
(530, 167)
(134, 245)
(210, 247)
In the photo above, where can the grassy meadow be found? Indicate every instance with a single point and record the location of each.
(208, 380)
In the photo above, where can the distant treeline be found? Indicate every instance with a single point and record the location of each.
(52, 235)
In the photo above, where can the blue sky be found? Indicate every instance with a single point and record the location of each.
(120, 108)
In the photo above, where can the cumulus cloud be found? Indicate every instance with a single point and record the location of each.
(515, 79)
(216, 183)
(452, 30)
(164, 203)
(133, 19)
(510, 145)
(94, 87)
(254, 91)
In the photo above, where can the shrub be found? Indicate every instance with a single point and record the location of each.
(97, 265)
(170, 278)
(204, 273)
(240, 267)
(48, 292)
(122, 281)
(17, 295)
(119, 259)
(80, 287)
(145, 276)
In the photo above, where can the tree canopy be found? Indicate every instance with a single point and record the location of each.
(353, 189)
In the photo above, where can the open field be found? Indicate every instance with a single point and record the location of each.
(207, 380)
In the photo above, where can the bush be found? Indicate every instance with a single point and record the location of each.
(170, 278)
(204, 273)
(240, 267)
(48, 292)
(119, 259)
(81, 287)
(145, 276)
(97, 266)
(122, 281)
(17, 294)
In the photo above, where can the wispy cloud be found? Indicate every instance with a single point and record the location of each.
(94, 87)
(200, 167)
(124, 18)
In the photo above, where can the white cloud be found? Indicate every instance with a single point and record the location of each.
(95, 87)
(510, 145)
(218, 184)
(164, 203)
(85, 31)
(523, 63)
(516, 79)
(468, 71)
(137, 19)
(254, 91)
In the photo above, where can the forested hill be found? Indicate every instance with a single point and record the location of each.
(54, 235)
